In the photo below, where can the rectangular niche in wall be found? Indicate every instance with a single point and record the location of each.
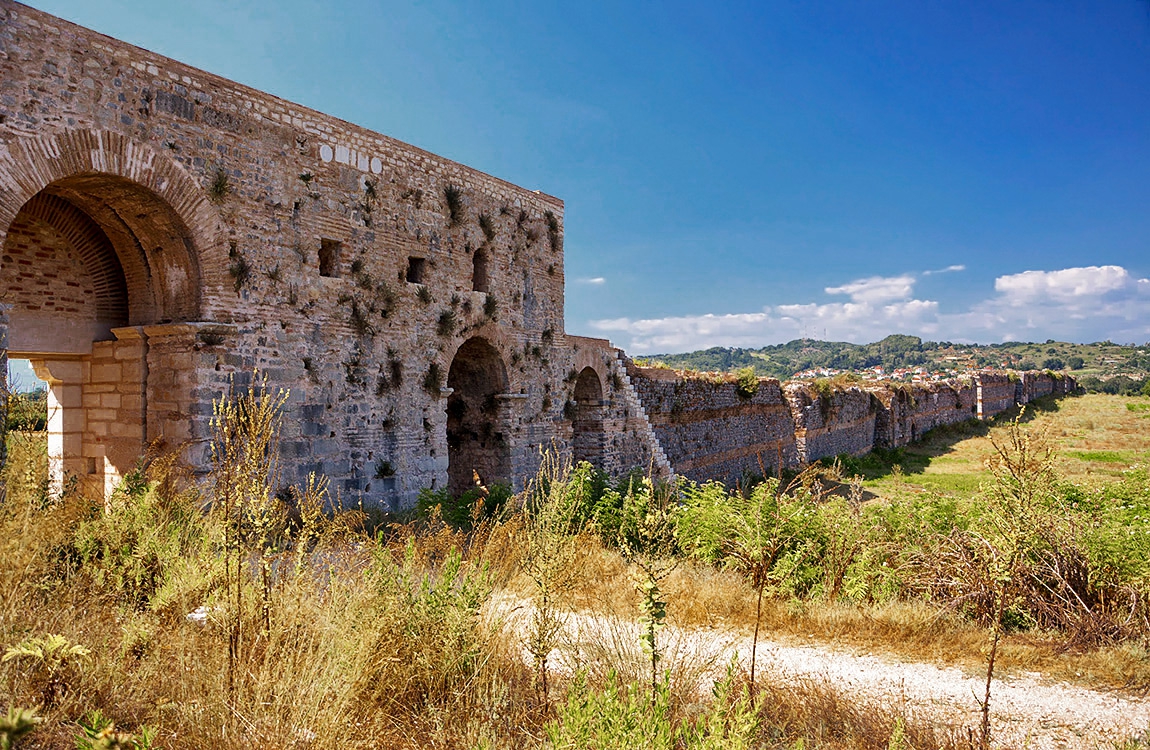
(415, 267)
(329, 252)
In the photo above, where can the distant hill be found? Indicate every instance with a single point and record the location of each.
(1102, 361)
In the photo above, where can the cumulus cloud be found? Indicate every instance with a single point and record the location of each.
(1068, 285)
(595, 281)
(1079, 304)
(876, 289)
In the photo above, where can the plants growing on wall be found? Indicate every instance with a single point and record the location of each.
(453, 199)
(220, 186)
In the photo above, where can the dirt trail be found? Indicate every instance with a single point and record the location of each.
(1027, 711)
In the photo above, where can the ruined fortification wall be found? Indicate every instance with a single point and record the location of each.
(709, 430)
(412, 306)
(167, 234)
(905, 413)
(995, 393)
(827, 425)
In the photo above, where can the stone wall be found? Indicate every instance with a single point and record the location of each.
(238, 231)
(905, 413)
(842, 421)
(709, 430)
(995, 392)
(167, 235)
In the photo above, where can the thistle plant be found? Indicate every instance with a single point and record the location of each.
(549, 541)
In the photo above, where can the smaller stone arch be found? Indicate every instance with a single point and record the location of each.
(588, 439)
(477, 439)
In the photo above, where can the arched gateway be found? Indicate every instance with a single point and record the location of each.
(476, 441)
(165, 232)
(587, 425)
(93, 255)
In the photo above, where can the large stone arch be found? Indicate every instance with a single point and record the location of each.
(156, 215)
(477, 439)
(100, 236)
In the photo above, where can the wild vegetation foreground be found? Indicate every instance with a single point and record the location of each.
(239, 613)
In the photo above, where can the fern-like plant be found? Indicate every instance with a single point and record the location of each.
(53, 662)
(17, 723)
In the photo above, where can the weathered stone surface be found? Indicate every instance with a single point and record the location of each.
(231, 231)
(711, 432)
(167, 235)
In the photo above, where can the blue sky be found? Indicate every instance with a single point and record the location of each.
(747, 173)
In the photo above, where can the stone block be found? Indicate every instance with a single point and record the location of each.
(106, 373)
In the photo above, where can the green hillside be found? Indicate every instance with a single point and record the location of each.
(1103, 366)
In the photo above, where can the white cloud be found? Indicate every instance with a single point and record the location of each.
(1078, 304)
(1067, 285)
(876, 289)
(596, 281)
(948, 269)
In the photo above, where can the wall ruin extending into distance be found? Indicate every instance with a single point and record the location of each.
(167, 234)
(710, 431)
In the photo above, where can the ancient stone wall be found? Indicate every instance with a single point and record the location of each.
(709, 430)
(167, 235)
(627, 438)
(239, 231)
(906, 412)
(842, 421)
(995, 392)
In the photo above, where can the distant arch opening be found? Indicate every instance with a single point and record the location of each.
(476, 444)
(587, 425)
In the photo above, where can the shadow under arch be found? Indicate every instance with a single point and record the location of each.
(476, 440)
(587, 424)
(92, 253)
(157, 215)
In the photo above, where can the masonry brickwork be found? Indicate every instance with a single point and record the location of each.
(710, 432)
(166, 232)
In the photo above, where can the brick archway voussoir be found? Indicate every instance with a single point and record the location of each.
(27, 166)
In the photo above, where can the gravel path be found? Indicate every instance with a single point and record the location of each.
(1027, 711)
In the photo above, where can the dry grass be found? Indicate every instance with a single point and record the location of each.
(819, 715)
(369, 643)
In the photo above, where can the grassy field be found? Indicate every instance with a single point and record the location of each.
(229, 615)
(1097, 437)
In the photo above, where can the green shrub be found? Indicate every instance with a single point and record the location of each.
(628, 717)
(131, 548)
(28, 412)
(464, 511)
(746, 383)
